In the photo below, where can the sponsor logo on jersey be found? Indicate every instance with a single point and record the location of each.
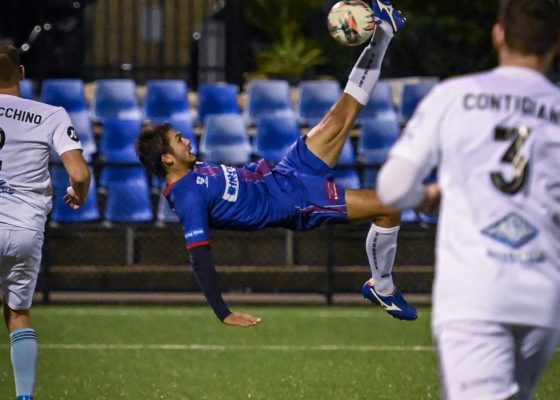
(5, 188)
(232, 184)
(202, 180)
(71, 132)
(512, 230)
(20, 115)
(332, 191)
(193, 233)
(530, 256)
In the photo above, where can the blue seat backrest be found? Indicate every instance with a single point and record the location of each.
(61, 211)
(316, 98)
(217, 98)
(377, 135)
(67, 93)
(265, 96)
(116, 98)
(275, 134)
(381, 101)
(117, 139)
(166, 98)
(224, 139)
(412, 94)
(26, 89)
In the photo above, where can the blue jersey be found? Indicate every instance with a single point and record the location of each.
(298, 194)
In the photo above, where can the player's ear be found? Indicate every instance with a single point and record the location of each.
(498, 35)
(167, 159)
(21, 72)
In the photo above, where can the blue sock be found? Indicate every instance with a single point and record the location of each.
(25, 349)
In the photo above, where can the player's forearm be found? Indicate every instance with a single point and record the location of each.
(80, 183)
(204, 269)
(400, 183)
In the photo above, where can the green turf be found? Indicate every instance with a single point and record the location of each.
(139, 353)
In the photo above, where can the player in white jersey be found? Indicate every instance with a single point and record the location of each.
(495, 137)
(28, 132)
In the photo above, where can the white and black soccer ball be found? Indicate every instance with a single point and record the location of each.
(351, 22)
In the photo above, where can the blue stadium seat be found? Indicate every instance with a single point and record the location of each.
(275, 134)
(166, 98)
(67, 93)
(224, 139)
(128, 195)
(315, 99)
(26, 89)
(182, 125)
(83, 125)
(412, 94)
(61, 212)
(116, 98)
(117, 140)
(376, 138)
(266, 96)
(217, 98)
(345, 173)
(381, 101)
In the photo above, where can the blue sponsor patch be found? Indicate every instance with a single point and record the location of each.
(512, 230)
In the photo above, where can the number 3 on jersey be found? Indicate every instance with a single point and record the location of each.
(512, 156)
(2, 141)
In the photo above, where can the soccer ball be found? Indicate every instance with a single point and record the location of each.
(351, 22)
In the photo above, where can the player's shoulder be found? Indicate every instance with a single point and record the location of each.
(37, 107)
(463, 82)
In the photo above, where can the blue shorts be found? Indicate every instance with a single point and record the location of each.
(310, 182)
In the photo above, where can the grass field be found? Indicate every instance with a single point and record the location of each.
(174, 353)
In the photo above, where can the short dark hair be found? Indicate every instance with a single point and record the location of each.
(151, 144)
(531, 26)
(9, 63)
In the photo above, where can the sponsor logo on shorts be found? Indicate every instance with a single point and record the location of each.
(332, 191)
(232, 184)
(193, 233)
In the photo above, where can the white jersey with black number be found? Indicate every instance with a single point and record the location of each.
(496, 139)
(28, 131)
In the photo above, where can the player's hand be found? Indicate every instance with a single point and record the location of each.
(71, 199)
(432, 198)
(240, 319)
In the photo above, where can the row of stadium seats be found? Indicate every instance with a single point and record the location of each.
(168, 98)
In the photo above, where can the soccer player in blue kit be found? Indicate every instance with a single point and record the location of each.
(298, 193)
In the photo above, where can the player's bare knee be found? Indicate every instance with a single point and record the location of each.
(389, 220)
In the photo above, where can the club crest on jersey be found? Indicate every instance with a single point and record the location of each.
(232, 184)
(71, 132)
(512, 230)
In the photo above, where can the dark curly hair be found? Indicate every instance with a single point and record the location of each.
(151, 144)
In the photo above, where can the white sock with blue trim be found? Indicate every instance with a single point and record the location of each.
(25, 351)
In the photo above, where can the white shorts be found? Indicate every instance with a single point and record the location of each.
(492, 361)
(20, 261)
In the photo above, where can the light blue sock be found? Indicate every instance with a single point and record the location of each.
(25, 350)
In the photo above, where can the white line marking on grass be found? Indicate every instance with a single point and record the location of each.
(186, 312)
(211, 347)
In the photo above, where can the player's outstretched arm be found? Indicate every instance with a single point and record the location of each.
(78, 172)
(206, 275)
(239, 319)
